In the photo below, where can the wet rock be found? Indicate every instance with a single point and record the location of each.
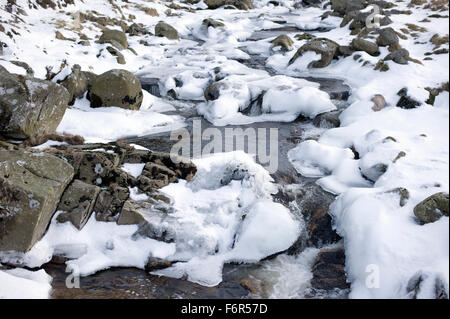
(116, 38)
(110, 202)
(163, 29)
(30, 188)
(283, 41)
(320, 229)
(405, 101)
(75, 83)
(432, 208)
(213, 23)
(239, 4)
(328, 120)
(400, 56)
(328, 270)
(325, 47)
(378, 102)
(371, 48)
(154, 263)
(116, 88)
(29, 106)
(387, 37)
(78, 203)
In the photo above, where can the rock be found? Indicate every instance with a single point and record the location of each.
(76, 83)
(60, 36)
(116, 88)
(212, 91)
(325, 47)
(345, 50)
(163, 29)
(283, 41)
(24, 65)
(30, 188)
(109, 203)
(328, 270)
(78, 203)
(304, 36)
(239, 4)
(387, 37)
(400, 56)
(320, 229)
(378, 102)
(116, 53)
(30, 106)
(345, 6)
(328, 120)
(154, 263)
(130, 213)
(432, 208)
(213, 23)
(371, 48)
(114, 37)
(137, 29)
(374, 172)
(403, 193)
(405, 101)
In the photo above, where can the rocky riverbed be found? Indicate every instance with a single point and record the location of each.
(353, 184)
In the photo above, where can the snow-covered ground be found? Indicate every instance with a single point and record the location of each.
(378, 231)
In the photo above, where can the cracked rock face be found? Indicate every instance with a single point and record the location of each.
(30, 106)
(31, 185)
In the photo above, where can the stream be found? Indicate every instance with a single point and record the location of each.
(135, 283)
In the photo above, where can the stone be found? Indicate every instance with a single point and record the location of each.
(328, 270)
(213, 23)
(432, 208)
(400, 56)
(30, 106)
(116, 87)
(113, 37)
(378, 102)
(325, 47)
(283, 41)
(371, 48)
(239, 4)
(320, 229)
(137, 29)
(75, 83)
(110, 202)
(78, 202)
(119, 56)
(328, 120)
(31, 185)
(405, 101)
(345, 6)
(163, 29)
(387, 37)
(154, 263)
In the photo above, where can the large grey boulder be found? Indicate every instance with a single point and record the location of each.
(30, 106)
(387, 37)
(116, 87)
(76, 83)
(432, 208)
(115, 37)
(30, 189)
(325, 47)
(163, 29)
(359, 44)
(78, 203)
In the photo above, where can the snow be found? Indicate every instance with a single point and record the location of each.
(134, 170)
(24, 284)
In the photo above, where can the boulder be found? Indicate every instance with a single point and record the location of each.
(213, 23)
(115, 37)
(116, 88)
(387, 37)
(325, 47)
(30, 189)
(378, 102)
(137, 29)
(344, 6)
(76, 83)
(328, 120)
(400, 56)
(163, 29)
(77, 202)
(283, 41)
(239, 4)
(30, 106)
(110, 202)
(119, 56)
(405, 101)
(432, 208)
(328, 270)
(359, 44)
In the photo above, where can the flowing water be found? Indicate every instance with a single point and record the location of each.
(265, 279)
